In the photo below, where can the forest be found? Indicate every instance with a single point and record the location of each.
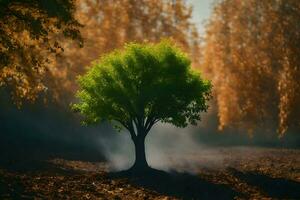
(83, 82)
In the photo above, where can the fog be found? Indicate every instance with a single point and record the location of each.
(189, 149)
(167, 148)
(46, 132)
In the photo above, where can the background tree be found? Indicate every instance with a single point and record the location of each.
(140, 86)
(30, 31)
(251, 54)
(110, 25)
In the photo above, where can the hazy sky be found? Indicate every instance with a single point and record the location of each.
(201, 11)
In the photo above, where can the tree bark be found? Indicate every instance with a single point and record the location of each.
(140, 154)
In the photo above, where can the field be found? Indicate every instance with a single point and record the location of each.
(237, 173)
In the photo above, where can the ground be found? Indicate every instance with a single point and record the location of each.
(240, 173)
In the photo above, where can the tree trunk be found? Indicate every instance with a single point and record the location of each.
(140, 155)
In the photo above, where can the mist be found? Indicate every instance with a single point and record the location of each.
(167, 148)
(192, 148)
(39, 132)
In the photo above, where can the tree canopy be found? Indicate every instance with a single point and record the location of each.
(30, 31)
(141, 85)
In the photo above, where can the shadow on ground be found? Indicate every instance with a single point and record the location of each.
(279, 188)
(34, 166)
(180, 185)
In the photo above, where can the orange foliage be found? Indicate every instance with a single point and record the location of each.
(252, 54)
(25, 44)
(109, 25)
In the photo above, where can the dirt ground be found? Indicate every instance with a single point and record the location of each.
(241, 173)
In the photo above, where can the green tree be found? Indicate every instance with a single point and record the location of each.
(139, 86)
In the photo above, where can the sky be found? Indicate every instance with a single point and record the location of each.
(201, 12)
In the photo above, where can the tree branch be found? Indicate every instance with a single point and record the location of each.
(150, 124)
(148, 121)
(129, 127)
(132, 131)
(123, 124)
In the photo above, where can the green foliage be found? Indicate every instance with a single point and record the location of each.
(141, 85)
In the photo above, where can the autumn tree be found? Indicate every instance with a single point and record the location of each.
(251, 54)
(138, 86)
(28, 41)
(110, 25)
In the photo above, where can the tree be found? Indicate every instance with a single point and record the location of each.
(255, 42)
(30, 31)
(139, 86)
